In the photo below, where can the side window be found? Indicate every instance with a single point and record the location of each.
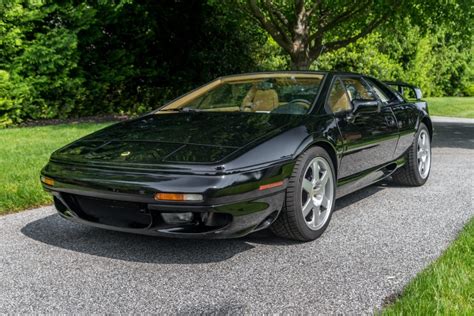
(388, 91)
(380, 94)
(338, 100)
(358, 89)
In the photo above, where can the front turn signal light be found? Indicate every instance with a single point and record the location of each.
(47, 181)
(271, 185)
(178, 197)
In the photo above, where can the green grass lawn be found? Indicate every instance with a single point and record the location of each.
(452, 106)
(446, 287)
(24, 152)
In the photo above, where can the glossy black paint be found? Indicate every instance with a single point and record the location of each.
(177, 138)
(226, 157)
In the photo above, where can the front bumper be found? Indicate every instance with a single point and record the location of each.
(233, 205)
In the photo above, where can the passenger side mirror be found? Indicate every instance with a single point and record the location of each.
(365, 106)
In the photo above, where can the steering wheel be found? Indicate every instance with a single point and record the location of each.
(295, 106)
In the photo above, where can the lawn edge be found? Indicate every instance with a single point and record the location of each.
(394, 299)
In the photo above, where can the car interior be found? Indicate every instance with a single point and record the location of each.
(275, 95)
(338, 99)
(261, 97)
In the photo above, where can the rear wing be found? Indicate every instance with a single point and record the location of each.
(406, 90)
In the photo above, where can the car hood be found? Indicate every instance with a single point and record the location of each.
(176, 138)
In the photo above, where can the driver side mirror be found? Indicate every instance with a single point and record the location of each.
(365, 106)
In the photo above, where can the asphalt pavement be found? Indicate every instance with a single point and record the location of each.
(379, 238)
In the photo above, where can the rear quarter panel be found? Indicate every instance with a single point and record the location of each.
(408, 116)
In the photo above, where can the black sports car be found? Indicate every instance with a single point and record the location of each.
(241, 154)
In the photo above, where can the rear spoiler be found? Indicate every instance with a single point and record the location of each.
(405, 89)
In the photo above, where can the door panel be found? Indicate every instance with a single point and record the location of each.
(406, 114)
(370, 135)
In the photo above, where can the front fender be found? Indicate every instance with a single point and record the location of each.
(288, 145)
(277, 149)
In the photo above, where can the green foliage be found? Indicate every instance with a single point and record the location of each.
(436, 62)
(40, 59)
(362, 56)
(70, 58)
(73, 58)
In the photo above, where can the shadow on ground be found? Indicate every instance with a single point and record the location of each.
(56, 231)
(453, 135)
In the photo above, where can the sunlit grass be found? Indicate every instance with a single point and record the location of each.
(446, 287)
(452, 106)
(24, 151)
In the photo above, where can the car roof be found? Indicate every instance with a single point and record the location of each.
(302, 72)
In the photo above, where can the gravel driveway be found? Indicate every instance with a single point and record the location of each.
(379, 238)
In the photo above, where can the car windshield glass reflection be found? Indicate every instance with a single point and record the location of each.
(285, 95)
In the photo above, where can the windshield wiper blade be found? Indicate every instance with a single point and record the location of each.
(185, 109)
(188, 109)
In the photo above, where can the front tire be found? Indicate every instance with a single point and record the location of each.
(417, 168)
(310, 197)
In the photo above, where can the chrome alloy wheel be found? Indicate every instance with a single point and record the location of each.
(423, 154)
(317, 193)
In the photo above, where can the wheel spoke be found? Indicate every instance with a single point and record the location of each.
(316, 217)
(308, 207)
(315, 168)
(419, 152)
(324, 178)
(307, 186)
(325, 202)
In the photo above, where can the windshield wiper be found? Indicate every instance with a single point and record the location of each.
(188, 109)
(185, 109)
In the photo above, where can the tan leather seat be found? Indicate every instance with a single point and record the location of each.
(260, 100)
(338, 101)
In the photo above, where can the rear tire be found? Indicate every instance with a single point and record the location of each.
(310, 197)
(416, 170)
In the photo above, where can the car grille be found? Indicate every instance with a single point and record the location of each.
(110, 212)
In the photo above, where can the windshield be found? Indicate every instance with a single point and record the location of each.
(264, 93)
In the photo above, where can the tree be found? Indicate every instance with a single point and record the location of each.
(305, 29)
(72, 58)
(435, 62)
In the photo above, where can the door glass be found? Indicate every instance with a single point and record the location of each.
(358, 89)
(382, 96)
(338, 100)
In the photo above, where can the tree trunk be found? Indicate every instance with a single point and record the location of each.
(303, 60)
(300, 62)
(299, 65)
(299, 54)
